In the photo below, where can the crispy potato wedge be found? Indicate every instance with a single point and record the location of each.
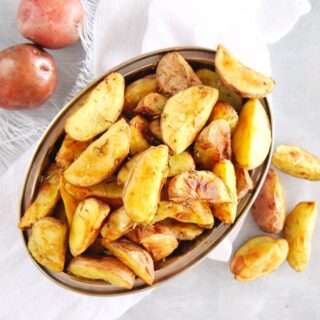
(134, 257)
(269, 209)
(185, 114)
(133, 236)
(226, 212)
(139, 131)
(137, 90)
(181, 230)
(239, 78)
(101, 158)
(198, 185)
(251, 140)
(179, 163)
(69, 201)
(213, 144)
(196, 212)
(155, 128)
(298, 231)
(47, 243)
(258, 257)
(125, 169)
(296, 162)
(99, 110)
(224, 111)
(46, 199)
(108, 269)
(86, 224)
(244, 181)
(175, 74)
(69, 151)
(145, 182)
(117, 225)
(208, 77)
(151, 105)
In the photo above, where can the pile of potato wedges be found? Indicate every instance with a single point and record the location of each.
(147, 165)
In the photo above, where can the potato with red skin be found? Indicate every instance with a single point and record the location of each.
(53, 24)
(28, 77)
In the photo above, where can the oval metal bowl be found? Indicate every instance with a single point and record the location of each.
(188, 253)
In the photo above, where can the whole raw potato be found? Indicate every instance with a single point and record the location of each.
(28, 77)
(53, 24)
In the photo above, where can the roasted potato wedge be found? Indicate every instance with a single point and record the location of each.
(239, 78)
(137, 90)
(155, 129)
(117, 225)
(224, 111)
(296, 162)
(269, 209)
(86, 224)
(179, 163)
(185, 114)
(101, 158)
(108, 269)
(47, 243)
(46, 199)
(151, 105)
(226, 212)
(175, 74)
(213, 144)
(227, 96)
(244, 181)
(251, 140)
(258, 257)
(139, 131)
(145, 182)
(298, 231)
(134, 257)
(181, 230)
(125, 169)
(99, 110)
(208, 77)
(198, 185)
(69, 151)
(196, 212)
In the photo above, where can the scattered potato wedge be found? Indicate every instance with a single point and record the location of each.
(198, 185)
(244, 181)
(69, 151)
(175, 74)
(239, 78)
(251, 140)
(208, 77)
(181, 230)
(86, 224)
(145, 182)
(296, 162)
(213, 144)
(117, 225)
(269, 209)
(101, 158)
(155, 128)
(298, 230)
(125, 169)
(258, 257)
(185, 114)
(46, 199)
(98, 110)
(179, 163)
(151, 105)
(226, 212)
(47, 243)
(139, 131)
(134, 257)
(108, 269)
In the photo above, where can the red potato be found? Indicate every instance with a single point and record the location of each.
(53, 24)
(28, 77)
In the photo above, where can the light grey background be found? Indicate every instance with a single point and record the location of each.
(208, 290)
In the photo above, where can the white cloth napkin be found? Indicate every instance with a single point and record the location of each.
(120, 30)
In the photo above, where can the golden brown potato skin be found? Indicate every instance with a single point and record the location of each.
(258, 257)
(269, 209)
(151, 105)
(179, 163)
(208, 77)
(175, 74)
(296, 162)
(155, 129)
(213, 144)
(244, 181)
(298, 231)
(46, 199)
(47, 243)
(181, 230)
(139, 131)
(108, 269)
